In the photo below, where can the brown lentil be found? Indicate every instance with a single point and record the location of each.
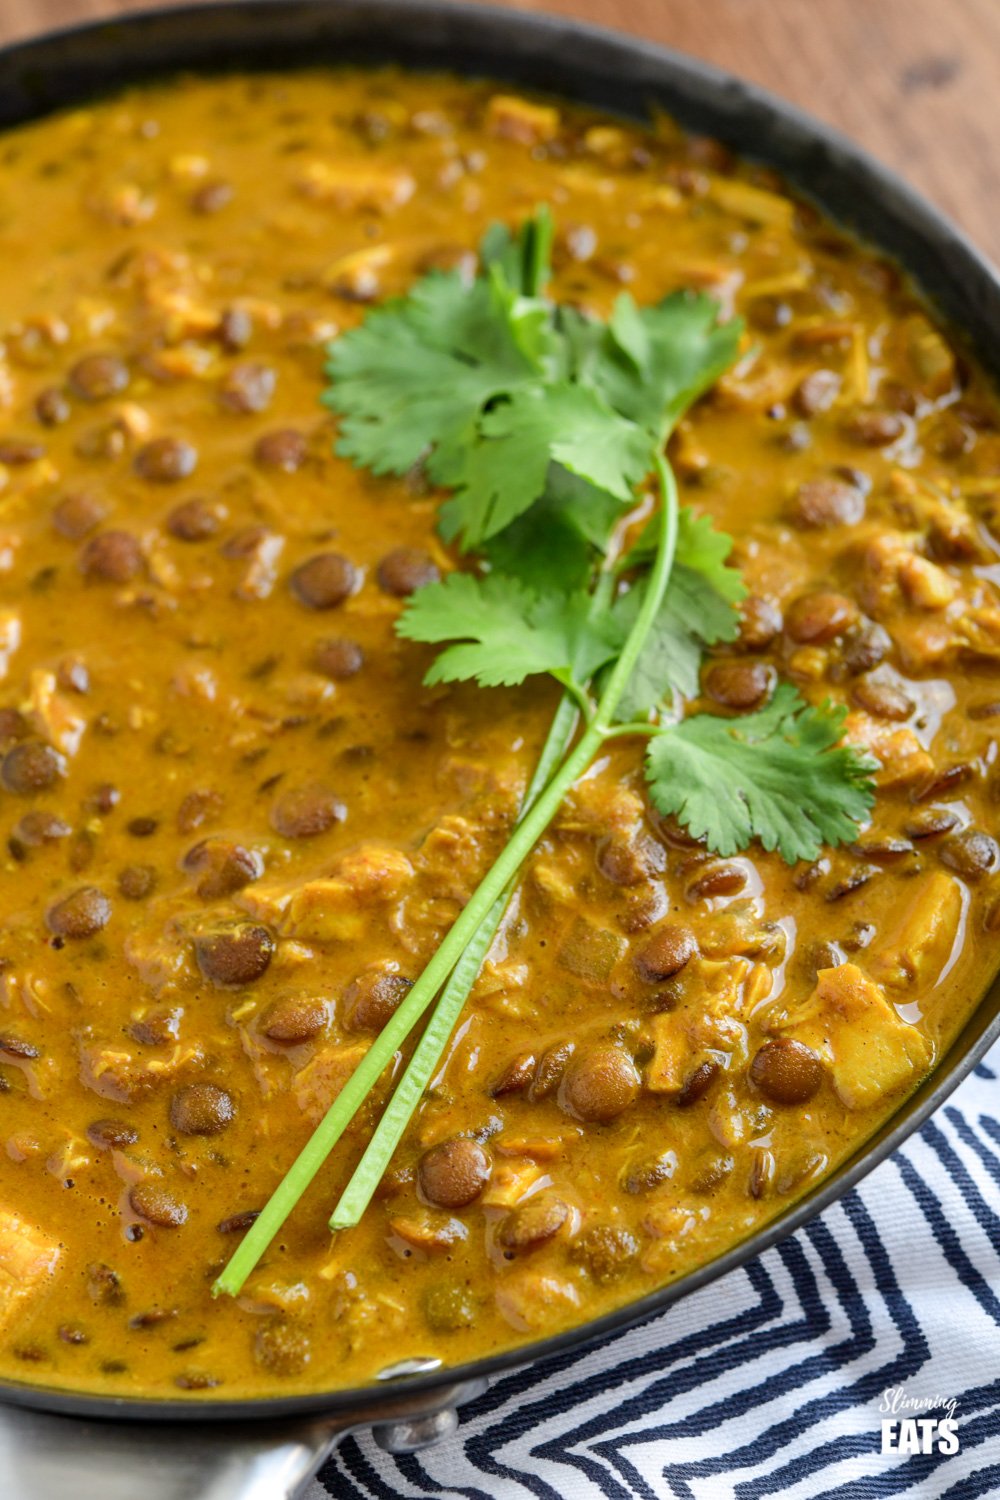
(285, 449)
(325, 581)
(454, 1173)
(166, 460)
(786, 1072)
(404, 570)
(98, 376)
(79, 915)
(234, 955)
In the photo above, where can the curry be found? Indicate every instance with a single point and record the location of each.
(237, 826)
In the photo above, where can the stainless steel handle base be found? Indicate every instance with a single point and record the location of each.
(45, 1457)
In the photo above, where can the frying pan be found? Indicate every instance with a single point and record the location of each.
(111, 1448)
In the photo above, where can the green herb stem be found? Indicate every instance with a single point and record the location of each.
(368, 1173)
(626, 731)
(343, 1109)
(659, 577)
(534, 823)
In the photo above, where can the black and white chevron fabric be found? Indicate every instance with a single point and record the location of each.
(770, 1382)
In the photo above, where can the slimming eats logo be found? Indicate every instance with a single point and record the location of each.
(918, 1424)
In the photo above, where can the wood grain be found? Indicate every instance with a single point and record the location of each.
(916, 81)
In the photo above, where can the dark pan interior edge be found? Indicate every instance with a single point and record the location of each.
(620, 74)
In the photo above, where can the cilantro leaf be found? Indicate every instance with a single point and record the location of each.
(675, 351)
(495, 386)
(670, 660)
(506, 632)
(778, 775)
(702, 549)
(698, 611)
(651, 363)
(497, 478)
(554, 544)
(420, 369)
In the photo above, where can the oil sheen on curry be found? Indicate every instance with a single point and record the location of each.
(235, 825)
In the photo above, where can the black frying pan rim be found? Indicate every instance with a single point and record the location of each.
(614, 71)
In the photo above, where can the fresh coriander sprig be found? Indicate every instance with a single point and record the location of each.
(476, 911)
(543, 423)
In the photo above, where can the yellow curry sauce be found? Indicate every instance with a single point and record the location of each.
(235, 824)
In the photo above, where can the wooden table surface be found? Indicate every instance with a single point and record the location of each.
(916, 81)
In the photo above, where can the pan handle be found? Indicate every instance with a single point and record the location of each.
(46, 1457)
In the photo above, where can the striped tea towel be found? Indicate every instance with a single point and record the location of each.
(804, 1375)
